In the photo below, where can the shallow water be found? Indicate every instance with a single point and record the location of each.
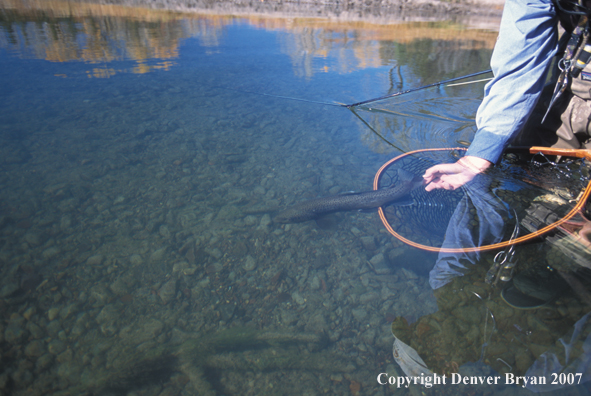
(143, 154)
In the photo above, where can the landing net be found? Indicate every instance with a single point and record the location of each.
(527, 192)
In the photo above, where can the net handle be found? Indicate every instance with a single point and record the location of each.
(532, 150)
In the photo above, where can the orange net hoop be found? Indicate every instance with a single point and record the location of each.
(532, 150)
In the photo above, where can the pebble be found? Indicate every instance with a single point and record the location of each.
(367, 297)
(95, 260)
(215, 253)
(359, 313)
(136, 259)
(158, 255)
(68, 310)
(150, 329)
(29, 313)
(52, 313)
(14, 333)
(65, 357)
(44, 362)
(249, 263)
(167, 292)
(164, 231)
(119, 287)
(56, 346)
(265, 221)
(297, 297)
(315, 283)
(35, 348)
(50, 253)
(35, 330)
(337, 161)
(250, 220)
(409, 274)
(9, 289)
(33, 238)
(317, 324)
(380, 265)
(368, 243)
(53, 328)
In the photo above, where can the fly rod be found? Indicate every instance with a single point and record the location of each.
(417, 89)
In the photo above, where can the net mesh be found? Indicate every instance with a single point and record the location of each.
(523, 192)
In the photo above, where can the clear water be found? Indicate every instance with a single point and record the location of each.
(143, 154)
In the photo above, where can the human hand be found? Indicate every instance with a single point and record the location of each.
(452, 176)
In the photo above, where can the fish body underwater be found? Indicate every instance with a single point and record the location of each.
(315, 208)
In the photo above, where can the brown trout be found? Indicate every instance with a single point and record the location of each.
(314, 208)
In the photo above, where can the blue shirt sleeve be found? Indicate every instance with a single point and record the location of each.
(527, 42)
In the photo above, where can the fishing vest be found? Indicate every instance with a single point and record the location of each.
(580, 80)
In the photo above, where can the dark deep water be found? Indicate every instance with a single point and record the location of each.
(143, 154)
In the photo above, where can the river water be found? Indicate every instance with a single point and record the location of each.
(143, 154)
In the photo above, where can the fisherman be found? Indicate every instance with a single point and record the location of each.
(519, 109)
(527, 43)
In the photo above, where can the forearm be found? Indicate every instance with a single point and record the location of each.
(525, 48)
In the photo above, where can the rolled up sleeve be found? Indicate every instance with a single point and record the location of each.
(526, 45)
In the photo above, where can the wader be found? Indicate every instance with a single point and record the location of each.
(563, 120)
(568, 123)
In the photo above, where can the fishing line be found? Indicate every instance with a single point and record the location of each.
(286, 97)
(374, 131)
(417, 89)
(349, 106)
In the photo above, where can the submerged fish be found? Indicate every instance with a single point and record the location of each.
(315, 208)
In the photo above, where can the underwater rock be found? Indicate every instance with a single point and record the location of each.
(249, 263)
(297, 297)
(95, 260)
(250, 220)
(14, 332)
(34, 238)
(359, 313)
(158, 255)
(367, 297)
(380, 265)
(52, 313)
(35, 330)
(44, 362)
(368, 243)
(317, 324)
(55, 347)
(53, 328)
(28, 314)
(119, 287)
(107, 319)
(164, 231)
(9, 289)
(50, 253)
(77, 330)
(22, 378)
(288, 317)
(141, 332)
(35, 348)
(315, 283)
(136, 259)
(409, 275)
(99, 295)
(215, 253)
(65, 222)
(167, 292)
(65, 357)
(265, 222)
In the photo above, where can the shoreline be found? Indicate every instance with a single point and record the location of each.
(484, 14)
